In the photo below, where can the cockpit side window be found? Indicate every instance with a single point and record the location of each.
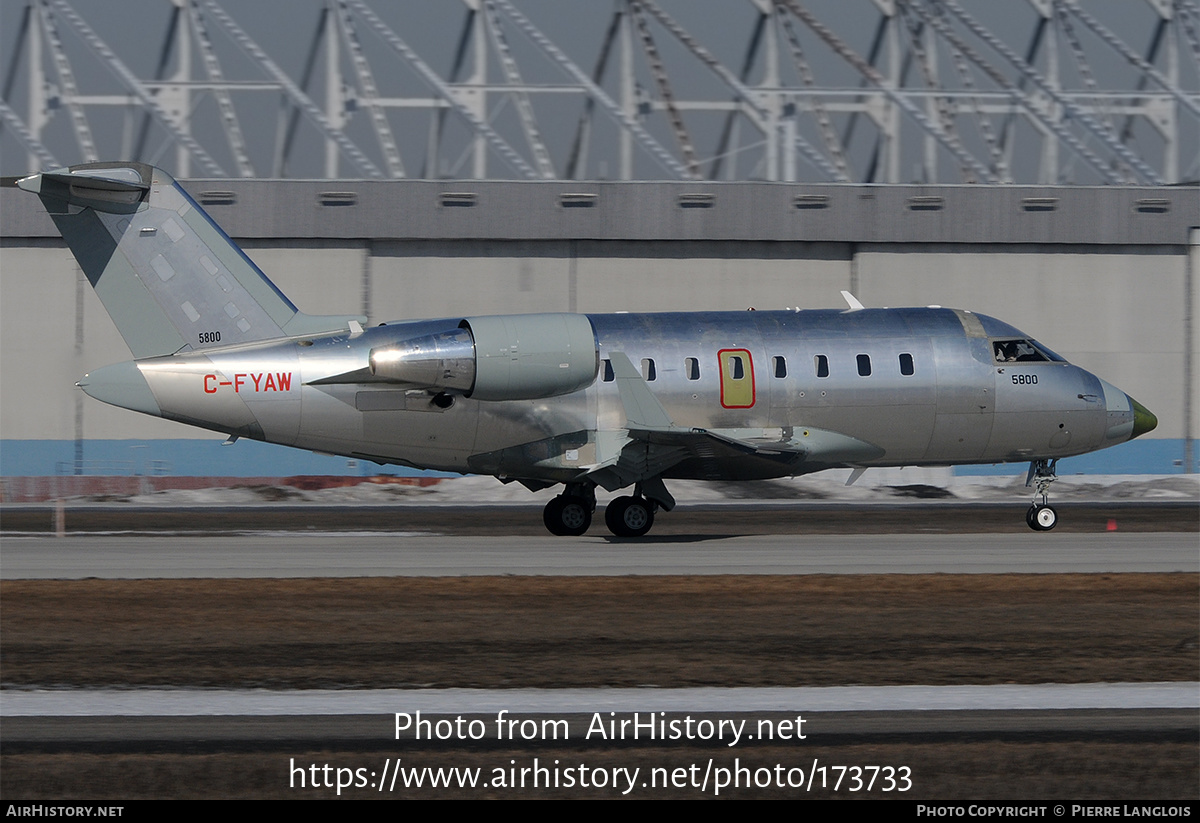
(1022, 351)
(1050, 355)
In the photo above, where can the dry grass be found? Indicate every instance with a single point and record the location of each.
(619, 631)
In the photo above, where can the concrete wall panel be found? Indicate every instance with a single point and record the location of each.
(37, 315)
(622, 211)
(637, 284)
(1117, 313)
(320, 277)
(448, 279)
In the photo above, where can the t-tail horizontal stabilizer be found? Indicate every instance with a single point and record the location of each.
(168, 276)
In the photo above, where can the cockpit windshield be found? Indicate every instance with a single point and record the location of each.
(1023, 351)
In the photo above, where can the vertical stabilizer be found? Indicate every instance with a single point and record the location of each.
(168, 276)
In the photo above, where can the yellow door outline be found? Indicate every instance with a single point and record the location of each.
(737, 378)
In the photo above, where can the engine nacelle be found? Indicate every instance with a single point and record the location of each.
(444, 361)
(501, 357)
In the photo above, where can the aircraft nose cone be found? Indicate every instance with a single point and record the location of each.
(1143, 419)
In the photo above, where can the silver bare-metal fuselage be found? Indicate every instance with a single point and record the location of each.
(885, 387)
(612, 400)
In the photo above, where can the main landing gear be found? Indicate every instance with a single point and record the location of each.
(1041, 517)
(570, 514)
(630, 516)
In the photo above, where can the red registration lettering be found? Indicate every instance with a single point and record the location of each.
(279, 381)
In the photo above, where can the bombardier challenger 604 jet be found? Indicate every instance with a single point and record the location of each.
(610, 400)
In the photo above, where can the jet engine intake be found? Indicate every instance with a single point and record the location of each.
(517, 357)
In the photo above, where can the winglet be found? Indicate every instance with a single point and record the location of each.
(853, 301)
(642, 409)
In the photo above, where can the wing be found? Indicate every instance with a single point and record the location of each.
(653, 446)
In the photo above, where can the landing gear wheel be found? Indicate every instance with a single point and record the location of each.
(1042, 518)
(567, 516)
(629, 516)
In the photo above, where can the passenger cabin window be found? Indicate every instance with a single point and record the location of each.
(864, 365)
(648, 371)
(906, 364)
(692, 366)
(608, 371)
(1022, 351)
(822, 364)
(779, 366)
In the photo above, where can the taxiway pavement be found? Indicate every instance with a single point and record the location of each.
(428, 554)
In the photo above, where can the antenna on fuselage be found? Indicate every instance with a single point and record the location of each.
(853, 301)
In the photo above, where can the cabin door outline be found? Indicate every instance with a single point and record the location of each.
(737, 378)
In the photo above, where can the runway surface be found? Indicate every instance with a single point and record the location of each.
(724, 518)
(264, 703)
(223, 721)
(427, 554)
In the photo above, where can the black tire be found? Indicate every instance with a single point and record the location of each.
(629, 516)
(1043, 518)
(567, 516)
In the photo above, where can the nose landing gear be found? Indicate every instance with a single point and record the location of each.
(1041, 517)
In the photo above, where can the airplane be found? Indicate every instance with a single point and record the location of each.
(582, 400)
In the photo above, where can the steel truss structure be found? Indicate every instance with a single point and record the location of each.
(866, 91)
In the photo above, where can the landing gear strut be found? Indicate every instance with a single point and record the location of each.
(1041, 517)
(570, 514)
